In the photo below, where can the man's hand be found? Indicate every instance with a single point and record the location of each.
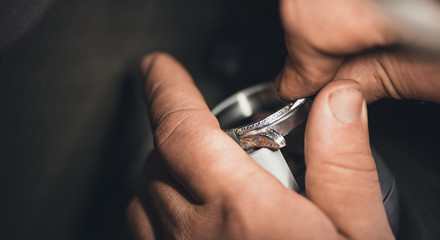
(320, 34)
(201, 185)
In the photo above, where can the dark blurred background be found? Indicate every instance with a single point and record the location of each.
(74, 131)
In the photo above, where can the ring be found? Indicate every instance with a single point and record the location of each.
(263, 119)
(257, 119)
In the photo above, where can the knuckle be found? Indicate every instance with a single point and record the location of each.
(182, 123)
(346, 169)
(383, 72)
(354, 160)
(170, 123)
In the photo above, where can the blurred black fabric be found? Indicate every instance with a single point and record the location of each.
(406, 134)
(74, 130)
(73, 127)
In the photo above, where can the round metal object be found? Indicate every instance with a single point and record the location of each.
(267, 132)
(256, 118)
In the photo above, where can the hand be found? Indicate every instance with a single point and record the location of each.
(201, 185)
(320, 34)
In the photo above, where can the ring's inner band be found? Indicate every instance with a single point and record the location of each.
(252, 105)
(248, 106)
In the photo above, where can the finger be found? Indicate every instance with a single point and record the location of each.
(139, 223)
(305, 72)
(165, 207)
(157, 211)
(341, 174)
(318, 36)
(167, 201)
(394, 73)
(161, 201)
(196, 152)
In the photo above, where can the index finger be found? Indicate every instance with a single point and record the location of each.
(320, 33)
(202, 158)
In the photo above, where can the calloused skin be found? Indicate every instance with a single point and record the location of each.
(200, 184)
(326, 39)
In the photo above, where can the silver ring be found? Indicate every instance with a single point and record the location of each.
(263, 119)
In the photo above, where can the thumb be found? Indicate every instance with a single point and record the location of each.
(341, 174)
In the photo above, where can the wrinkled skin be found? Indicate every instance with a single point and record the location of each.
(218, 192)
(199, 184)
(326, 39)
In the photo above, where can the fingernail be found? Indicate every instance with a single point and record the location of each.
(347, 104)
